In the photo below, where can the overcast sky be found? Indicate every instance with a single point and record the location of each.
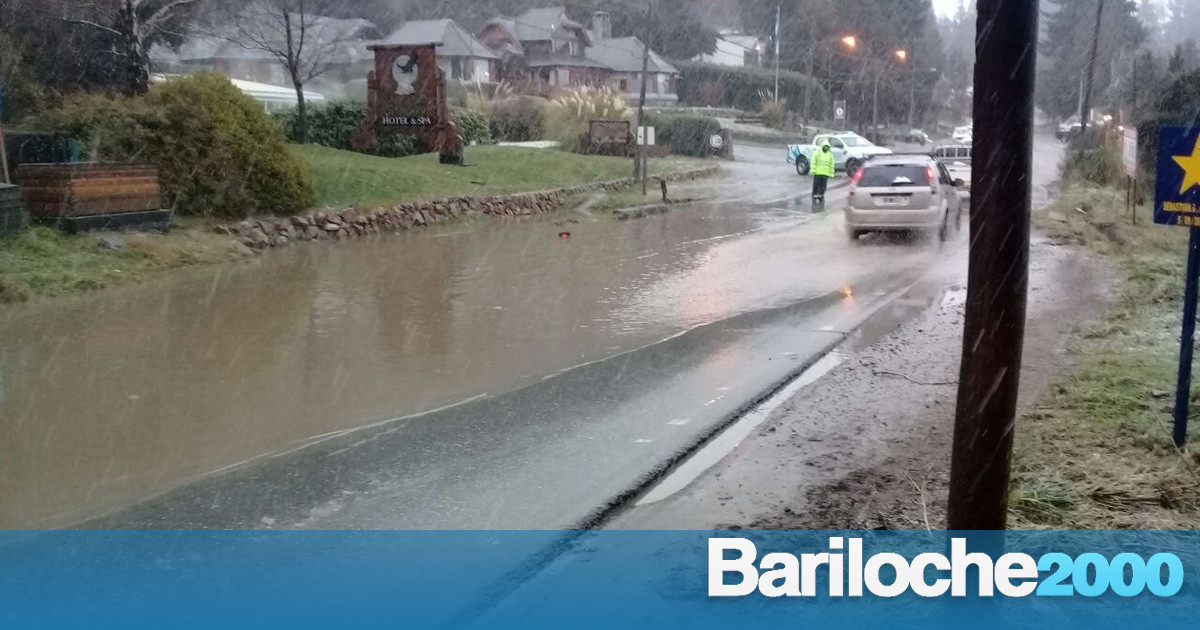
(946, 8)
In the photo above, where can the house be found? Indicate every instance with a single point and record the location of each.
(624, 56)
(461, 56)
(544, 46)
(239, 50)
(734, 49)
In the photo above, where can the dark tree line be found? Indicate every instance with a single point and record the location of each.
(810, 36)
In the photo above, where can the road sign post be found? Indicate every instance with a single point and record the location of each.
(1187, 340)
(839, 111)
(1129, 165)
(1177, 202)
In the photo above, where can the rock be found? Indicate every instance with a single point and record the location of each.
(267, 227)
(349, 217)
(332, 227)
(112, 242)
(312, 232)
(320, 218)
(300, 222)
(242, 249)
(222, 229)
(259, 239)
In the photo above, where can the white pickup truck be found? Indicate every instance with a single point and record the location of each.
(850, 150)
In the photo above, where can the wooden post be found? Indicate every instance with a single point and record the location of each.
(998, 274)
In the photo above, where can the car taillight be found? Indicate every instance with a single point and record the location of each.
(930, 175)
(857, 175)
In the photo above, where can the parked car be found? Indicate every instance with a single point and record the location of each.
(917, 136)
(850, 150)
(957, 159)
(1068, 129)
(904, 193)
(962, 134)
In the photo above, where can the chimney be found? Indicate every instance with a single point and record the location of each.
(602, 25)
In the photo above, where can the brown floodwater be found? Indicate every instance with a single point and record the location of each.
(113, 397)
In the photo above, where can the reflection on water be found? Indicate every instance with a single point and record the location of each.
(110, 398)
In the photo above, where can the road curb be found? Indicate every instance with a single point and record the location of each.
(627, 500)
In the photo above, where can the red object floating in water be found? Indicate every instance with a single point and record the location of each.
(564, 235)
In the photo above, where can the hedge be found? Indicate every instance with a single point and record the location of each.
(216, 151)
(518, 119)
(332, 124)
(686, 134)
(706, 85)
(476, 126)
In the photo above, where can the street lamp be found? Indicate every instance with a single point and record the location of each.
(902, 55)
(849, 41)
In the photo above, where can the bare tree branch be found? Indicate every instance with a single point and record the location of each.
(92, 24)
(164, 12)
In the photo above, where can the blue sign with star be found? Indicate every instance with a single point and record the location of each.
(1177, 185)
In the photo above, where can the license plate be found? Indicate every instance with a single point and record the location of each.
(893, 200)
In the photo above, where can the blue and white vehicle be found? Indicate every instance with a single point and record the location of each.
(850, 150)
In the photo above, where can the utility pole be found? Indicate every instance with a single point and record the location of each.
(777, 10)
(875, 107)
(812, 53)
(1085, 115)
(3, 152)
(912, 87)
(998, 273)
(639, 164)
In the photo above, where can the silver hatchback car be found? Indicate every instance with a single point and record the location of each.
(903, 193)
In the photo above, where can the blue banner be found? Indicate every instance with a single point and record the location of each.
(1177, 177)
(693, 580)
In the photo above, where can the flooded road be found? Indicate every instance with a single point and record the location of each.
(116, 397)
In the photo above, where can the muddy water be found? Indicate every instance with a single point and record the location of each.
(109, 398)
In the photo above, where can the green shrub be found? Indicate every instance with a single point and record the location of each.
(332, 125)
(686, 134)
(23, 94)
(742, 88)
(774, 114)
(570, 115)
(476, 126)
(518, 119)
(1097, 165)
(216, 151)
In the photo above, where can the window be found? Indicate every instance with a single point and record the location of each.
(946, 179)
(893, 175)
(836, 143)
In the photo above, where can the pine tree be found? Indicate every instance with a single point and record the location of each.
(1066, 47)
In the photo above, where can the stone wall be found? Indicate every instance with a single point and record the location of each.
(350, 223)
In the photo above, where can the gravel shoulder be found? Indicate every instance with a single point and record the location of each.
(868, 444)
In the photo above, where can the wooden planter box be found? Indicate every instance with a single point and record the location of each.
(87, 196)
(13, 217)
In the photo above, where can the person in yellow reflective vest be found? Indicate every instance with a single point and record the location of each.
(822, 170)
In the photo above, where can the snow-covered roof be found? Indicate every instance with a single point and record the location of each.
(452, 40)
(624, 54)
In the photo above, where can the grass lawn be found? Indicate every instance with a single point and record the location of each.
(1096, 452)
(44, 261)
(344, 178)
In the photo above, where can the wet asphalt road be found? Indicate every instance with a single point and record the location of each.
(477, 376)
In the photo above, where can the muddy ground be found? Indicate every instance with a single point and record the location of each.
(868, 444)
